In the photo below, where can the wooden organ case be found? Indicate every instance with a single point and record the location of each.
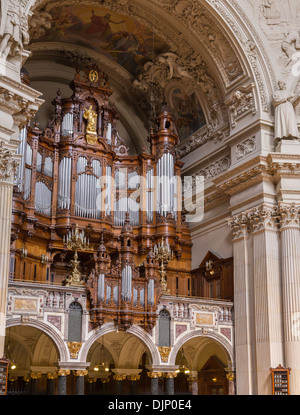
(78, 173)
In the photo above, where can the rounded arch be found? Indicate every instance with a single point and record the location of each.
(58, 341)
(198, 333)
(209, 23)
(110, 328)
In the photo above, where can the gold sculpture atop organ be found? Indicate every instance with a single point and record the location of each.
(77, 175)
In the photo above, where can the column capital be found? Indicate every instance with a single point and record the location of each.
(170, 375)
(119, 376)
(133, 377)
(240, 226)
(8, 164)
(51, 375)
(35, 375)
(287, 215)
(63, 372)
(154, 375)
(80, 372)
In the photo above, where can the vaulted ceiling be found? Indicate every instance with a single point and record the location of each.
(151, 50)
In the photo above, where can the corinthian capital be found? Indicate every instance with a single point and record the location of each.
(240, 226)
(8, 164)
(287, 215)
(262, 218)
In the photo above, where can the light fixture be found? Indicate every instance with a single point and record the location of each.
(12, 365)
(102, 365)
(214, 379)
(183, 365)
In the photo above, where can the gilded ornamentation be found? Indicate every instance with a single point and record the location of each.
(164, 352)
(80, 372)
(74, 348)
(91, 129)
(35, 375)
(63, 372)
(119, 376)
(133, 377)
(170, 375)
(154, 375)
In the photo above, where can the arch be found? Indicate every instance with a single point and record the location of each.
(58, 341)
(134, 330)
(198, 333)
(229, 21)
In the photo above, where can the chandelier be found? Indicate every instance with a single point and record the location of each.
(163, 254)
(75, 240)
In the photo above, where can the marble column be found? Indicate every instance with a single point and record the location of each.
(133, 383)
(193, 383)
(80, 374)
(19, 103)
(290, 256)
(230, 376)
(154, 382)
(91, 386)
(243, 305)
(62, 381)
(169, 377)
(50, 383)
(119, 378)
(35, 376)
(267, 294)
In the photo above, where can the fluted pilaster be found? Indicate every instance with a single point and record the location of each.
(243, 303)
(290, 254)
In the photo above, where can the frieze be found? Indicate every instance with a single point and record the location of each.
(245, 147)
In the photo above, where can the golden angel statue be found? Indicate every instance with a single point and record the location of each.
(91, 129)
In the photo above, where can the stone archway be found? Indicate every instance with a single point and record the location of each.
(204, 363)
(36, 351)
(118, 360)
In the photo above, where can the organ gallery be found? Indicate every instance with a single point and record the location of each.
(149, 197)
(87, 213)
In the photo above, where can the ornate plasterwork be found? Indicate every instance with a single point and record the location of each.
(74, 348)
(262, 218)
(245, 147)
(241, 104)
(236, 18)
(215, 168)
(201, 137)
(198, 21)
(164, 352)
(8, 164)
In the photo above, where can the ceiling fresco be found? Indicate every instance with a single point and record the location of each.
(118, 37)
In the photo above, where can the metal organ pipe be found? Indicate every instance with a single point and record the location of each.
(86, 190)
(67, 126)
(39, 159)
(101, 287)
(151, 292)
(43, 197)
(165, 173)
(64, 183)
(48, 166)
(108, 132)
(108, 191)
(21, 168)
(149, 200)
(126, 283)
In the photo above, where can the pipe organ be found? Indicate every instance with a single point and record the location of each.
(78, 172)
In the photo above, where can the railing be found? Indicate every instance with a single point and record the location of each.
(181, 306)
(54, 294)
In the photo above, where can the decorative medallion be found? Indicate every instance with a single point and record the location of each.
(164, 352)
